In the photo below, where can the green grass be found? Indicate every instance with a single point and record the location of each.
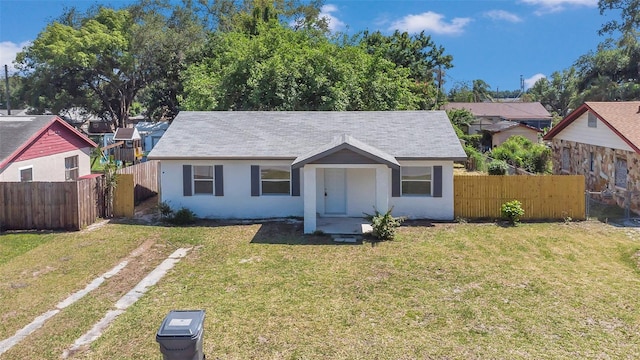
(456, 291)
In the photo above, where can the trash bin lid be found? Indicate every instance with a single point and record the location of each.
(182, 323)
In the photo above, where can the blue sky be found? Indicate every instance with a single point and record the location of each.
(496, 41)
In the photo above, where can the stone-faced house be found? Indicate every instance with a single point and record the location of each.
(601, 140)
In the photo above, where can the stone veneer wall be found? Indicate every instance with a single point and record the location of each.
(603, 174)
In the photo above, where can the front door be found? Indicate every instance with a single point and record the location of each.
(335, 191)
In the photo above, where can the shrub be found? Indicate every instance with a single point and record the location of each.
(512, 211)
(183, 216)
(475, 159)
(165, 210)
(497, 167)
(384, 225)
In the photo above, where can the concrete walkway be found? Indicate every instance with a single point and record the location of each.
(125, 301)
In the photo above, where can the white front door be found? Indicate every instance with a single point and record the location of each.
(335, 191)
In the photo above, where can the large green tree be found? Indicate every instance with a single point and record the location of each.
(102, 59)
(278, 68)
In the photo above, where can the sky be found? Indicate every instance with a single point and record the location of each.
(498, 41)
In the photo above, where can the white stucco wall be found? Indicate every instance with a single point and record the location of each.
(601, 135)
(237, 202)
(49, 168)
(426, 207)
(361, 191)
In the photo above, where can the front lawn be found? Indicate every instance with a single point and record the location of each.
(454, 291)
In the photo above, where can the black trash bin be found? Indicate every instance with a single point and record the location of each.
(180, 335)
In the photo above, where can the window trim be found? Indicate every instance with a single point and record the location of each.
(276, 167)
(430, 181)
(68, 171)
(194, 181)
(21, 169)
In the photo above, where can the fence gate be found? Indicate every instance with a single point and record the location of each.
(123, 199)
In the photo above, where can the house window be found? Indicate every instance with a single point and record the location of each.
(591, 160)
(621, 173)
(416, 181)
(26, 174)
(275, 180)
(71, 168)
(592, 121)
(203, 180)
(566, 159)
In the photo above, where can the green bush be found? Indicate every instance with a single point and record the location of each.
(476, 159)
(165, 210)
(497, 167)
(512, 211)
(521, 152)
(183, 216)
(384, 225)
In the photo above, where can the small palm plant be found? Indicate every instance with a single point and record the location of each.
(384, 225)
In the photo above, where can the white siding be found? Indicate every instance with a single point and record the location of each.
(49, 168)
(361, 190)
(416, 207)
(601, 135)
(237, 202)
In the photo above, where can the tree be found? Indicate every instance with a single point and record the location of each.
(279, 68)
(629, 16)
(558, 93)
(102, 59)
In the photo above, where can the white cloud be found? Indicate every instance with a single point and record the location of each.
(529, 82)
(334, 23)
(8, 51)
(503, 15)
(430, 22)
(548, 6)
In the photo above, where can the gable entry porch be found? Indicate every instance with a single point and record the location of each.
(342, 181)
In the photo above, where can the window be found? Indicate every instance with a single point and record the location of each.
(591, 159)
(26, 174)
(416, 181)
(203, 180)
(71, 168)
(275, 180)
(566, 157)
(592, 121)
(621, 173)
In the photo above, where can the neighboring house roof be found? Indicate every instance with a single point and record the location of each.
(300, 135)
(506, 125)
(18, 132)
(126, 134)
(14, 112)
(623, 118)
(147, 127)
(507, 111)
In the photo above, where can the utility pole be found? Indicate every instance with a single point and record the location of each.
(6, 79)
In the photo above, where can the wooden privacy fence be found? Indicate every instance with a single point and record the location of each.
(542, 197)
(70, 205)
(145, 179)
(135, 184)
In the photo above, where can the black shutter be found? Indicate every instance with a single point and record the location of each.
(295, 182)
(437, 181)
(219, 180)
(255, 180)
(395, 182)
(186, 180)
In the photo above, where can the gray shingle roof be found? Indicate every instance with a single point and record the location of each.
(16, 130)
(507, 111)
(288, 135)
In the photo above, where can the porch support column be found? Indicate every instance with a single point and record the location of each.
(309, 199)
(382, 188)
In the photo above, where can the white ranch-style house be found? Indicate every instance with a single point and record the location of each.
(259, 165)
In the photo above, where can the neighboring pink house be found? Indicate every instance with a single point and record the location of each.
(42, 148)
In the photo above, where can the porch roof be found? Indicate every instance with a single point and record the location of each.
(347, 142)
